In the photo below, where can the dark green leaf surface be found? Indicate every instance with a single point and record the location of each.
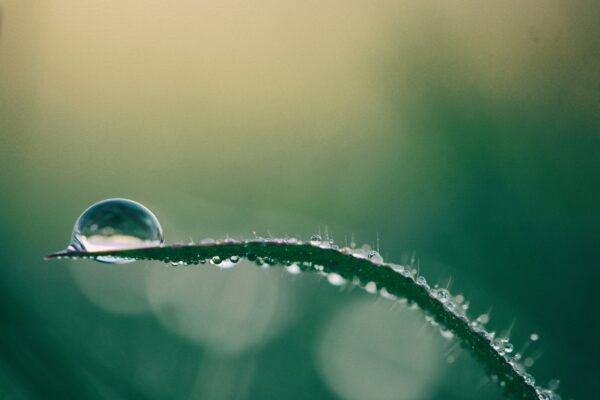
(392, 279)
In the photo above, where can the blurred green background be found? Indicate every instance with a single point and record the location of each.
(464, 132)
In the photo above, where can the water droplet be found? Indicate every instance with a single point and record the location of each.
(397, 268)
(483, 319)
(528, 379)
(502, 345)
(534, 337)
(446, 333)
(293, 269)
(227, 263)
(371, 287)
(544, 394)
(335, 279)
(442, 295)
(387, 295)
(374, 256)
(116, 224)
(216, 260)
(315, 239)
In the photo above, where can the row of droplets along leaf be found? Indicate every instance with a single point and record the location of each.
(122, 224)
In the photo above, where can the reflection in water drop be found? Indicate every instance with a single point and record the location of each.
(116, 224)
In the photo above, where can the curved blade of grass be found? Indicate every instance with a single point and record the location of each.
(390, 280)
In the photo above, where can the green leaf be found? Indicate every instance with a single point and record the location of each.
(389, 280)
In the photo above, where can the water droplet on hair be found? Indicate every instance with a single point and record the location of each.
(502, 345)
(315, 239)
(442, 295)
(374, 256)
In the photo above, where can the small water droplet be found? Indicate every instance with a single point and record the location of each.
(442, 295)
(216, 260)
(374, 256)
(502, 345)
(446, 333)
(315, 239)
(528, 379)
(293, 269)
(336, 279)
(116, 224)
(387, 295)
(371, 287)
(227, 263)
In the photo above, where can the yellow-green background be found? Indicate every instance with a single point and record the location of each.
(465, 132)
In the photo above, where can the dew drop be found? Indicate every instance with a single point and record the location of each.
(447, 334)
(116, 224)
(227, 263)
(293, 269)
(335, 279)
(502, 345)
(371, 287)
(374, 256)
(315, 239)
(216, 260)
(529, 379)
(442, 295)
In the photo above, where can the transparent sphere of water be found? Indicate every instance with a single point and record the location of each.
(116, 224)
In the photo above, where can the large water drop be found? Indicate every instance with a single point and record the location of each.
(116, 224)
